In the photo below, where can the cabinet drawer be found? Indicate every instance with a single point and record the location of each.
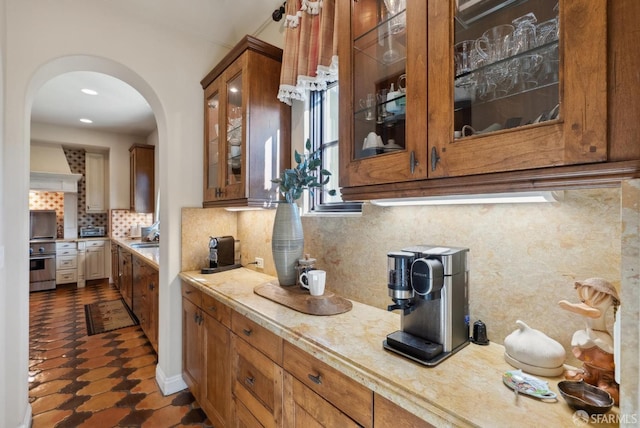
(67, 252)
(218, 310)
(192, 293)
(347, 395)
(66, 262)
(257, 336)
(257, 382)
(65, 245)
(66, 276)
(93, 244)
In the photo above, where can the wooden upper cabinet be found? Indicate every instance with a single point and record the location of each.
(246, 128)
(542, 105)
(383, 87)
(142, 170)
(546, 89)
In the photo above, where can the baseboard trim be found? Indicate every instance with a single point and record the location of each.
(169, 385)
(28, 417)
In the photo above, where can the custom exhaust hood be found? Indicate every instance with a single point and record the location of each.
(50, 170)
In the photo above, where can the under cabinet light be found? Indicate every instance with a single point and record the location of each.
(488, 198)
(88, 91)
(85, 120)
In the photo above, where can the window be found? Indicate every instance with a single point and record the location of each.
(323, 121)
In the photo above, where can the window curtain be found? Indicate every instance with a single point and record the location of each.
(310, 54)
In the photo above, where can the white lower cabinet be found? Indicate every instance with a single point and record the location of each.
(94, 262)
(66, 262)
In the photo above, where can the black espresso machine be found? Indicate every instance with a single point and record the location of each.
(429, 285)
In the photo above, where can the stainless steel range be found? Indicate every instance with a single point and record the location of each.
(42, 250)
(42, 265)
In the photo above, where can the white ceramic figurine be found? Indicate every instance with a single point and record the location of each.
(594, 345)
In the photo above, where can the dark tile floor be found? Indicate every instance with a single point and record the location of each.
(104, 380)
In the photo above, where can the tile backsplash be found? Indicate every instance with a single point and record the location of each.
(121, 221)
(523, 258)
(40, 200)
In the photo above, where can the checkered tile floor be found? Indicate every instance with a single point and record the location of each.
(105, 380)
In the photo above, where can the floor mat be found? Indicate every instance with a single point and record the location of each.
(107, 316)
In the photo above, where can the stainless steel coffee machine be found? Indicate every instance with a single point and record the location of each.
(429, 285)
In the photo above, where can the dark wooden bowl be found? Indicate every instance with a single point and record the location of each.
(579, 395)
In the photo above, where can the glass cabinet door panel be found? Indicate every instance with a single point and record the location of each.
(506, 65)
(235, 135)
(213, 138)
(379, 77)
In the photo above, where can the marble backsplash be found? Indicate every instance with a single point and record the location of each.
(523, 258)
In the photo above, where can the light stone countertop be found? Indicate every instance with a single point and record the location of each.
(464, 390)
(149, 255)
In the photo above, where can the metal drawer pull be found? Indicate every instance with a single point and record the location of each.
(247, 331)
(249, 381)
(315, 379)
(212, 308)
(187, 291)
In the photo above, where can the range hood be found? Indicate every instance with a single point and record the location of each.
(50, 170)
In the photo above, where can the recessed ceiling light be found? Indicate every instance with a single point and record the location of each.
(84, 120)
(89, 91)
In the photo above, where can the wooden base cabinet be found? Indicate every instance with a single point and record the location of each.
(206, 357)
(305, 408)
(388, 414)
(243, 375)
(215, 393)
(257, 370)
(145, 299)
(192, 343)
(327, 388)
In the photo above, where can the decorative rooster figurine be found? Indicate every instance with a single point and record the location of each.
(594, 345)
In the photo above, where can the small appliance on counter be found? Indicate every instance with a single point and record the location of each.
(221, 255)
(92, 232)
(429, 284)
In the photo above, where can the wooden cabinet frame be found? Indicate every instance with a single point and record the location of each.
(592, 144)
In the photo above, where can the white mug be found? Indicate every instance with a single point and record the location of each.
(315, 280)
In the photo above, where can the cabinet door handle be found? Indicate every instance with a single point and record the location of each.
(212, 308)
(247, 331)
(413, 162)
(434, 158)
(249, 380)
(315, 379)
(195, 318)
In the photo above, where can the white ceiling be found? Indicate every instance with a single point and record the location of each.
(118, 107)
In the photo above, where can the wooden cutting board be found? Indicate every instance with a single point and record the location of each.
(298, 299)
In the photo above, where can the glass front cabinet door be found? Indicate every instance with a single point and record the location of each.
(383, 86)
(517, 85)
(247, 129)
(434, 89)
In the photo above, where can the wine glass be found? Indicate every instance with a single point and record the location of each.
(397, 22)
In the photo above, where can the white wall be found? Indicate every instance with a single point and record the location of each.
(6, 363)
(40, 40)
